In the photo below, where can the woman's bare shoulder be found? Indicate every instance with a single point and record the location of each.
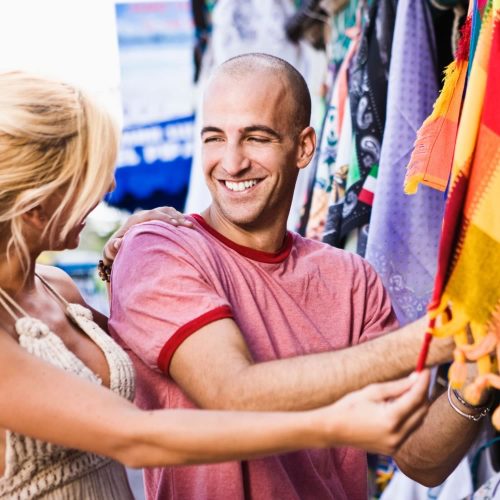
(60, 281)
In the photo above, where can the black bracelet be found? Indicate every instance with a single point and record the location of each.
(470, 406)
(104, 271)
(479, 411)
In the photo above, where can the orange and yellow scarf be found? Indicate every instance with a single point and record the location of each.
(466, 298)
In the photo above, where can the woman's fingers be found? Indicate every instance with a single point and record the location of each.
(168, 215)
(414, 397)
(390, 390)
(171, 216)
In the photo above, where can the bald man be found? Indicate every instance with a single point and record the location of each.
(241, 314)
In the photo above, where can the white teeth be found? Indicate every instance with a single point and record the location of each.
(240, 186)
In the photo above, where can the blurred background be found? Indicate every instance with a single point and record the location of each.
(147, 61)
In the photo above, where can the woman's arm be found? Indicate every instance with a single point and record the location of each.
(47, 403)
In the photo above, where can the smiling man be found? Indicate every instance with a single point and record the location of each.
(242, 314)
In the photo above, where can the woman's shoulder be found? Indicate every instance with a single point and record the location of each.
(60, 281)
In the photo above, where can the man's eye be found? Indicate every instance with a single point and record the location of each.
(211, 139)
(258, 139)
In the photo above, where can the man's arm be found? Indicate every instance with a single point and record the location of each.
(214, 367)
(433, 451)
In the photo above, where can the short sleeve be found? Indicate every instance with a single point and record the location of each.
(160, 293)
(379, 314)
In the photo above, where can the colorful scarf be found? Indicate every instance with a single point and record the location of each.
(466, 295)
(432, 156)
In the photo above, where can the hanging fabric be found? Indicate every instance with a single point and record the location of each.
(432, 157)
(404, 230)
(367, 92)
(345, 32)
(466, 294)
(328, 170)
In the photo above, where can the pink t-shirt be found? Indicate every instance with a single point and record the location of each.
(168, 282)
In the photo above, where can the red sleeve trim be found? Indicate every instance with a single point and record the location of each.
(168, 350)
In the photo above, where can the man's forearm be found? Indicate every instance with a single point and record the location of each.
(432, 452)
(311, 381)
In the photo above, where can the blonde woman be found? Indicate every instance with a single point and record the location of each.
(63, 380)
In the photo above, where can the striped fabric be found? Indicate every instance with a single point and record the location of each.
(467, 295)
(432, 156)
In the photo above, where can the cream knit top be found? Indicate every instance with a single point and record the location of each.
(35, 469)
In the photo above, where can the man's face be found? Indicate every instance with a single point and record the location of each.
(249, 148)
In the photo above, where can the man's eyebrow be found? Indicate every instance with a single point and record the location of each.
(204, 130)
(262, 128)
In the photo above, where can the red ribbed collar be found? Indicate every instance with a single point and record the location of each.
(251, 253)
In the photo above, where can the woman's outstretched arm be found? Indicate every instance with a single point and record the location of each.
(47, 403)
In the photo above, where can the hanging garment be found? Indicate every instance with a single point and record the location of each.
(346, 29)
(327, 168)
(466, 293)
(367, 92)
(404, 230)
(346, 151)
(432, 157)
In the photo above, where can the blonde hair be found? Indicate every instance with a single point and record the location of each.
(53, 139)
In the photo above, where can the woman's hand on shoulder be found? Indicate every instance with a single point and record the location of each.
(380, 417)
(168, 215)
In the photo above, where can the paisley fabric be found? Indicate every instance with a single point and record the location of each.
(329, 174)
(368, 75)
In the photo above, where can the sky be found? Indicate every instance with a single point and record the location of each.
(73, 40)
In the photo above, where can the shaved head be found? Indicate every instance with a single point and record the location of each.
(257, 65)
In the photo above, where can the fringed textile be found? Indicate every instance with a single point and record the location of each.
(466, 299)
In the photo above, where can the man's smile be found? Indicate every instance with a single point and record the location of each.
(239, 186)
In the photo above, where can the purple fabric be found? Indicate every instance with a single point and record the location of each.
(404, 230)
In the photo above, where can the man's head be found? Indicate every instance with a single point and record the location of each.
(255, 138)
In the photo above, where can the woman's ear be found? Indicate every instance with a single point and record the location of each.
(307, 146)
(36, 217)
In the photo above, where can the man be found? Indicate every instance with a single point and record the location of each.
(242, 314)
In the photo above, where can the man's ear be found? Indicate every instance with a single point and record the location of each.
(307, 146)
(36, 218)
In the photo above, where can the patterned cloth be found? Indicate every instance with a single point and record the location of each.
(327, 167)
(367, 92)
(404, 231)
(432, 156)
(469, 255)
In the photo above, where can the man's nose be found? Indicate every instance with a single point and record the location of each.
(234, 160)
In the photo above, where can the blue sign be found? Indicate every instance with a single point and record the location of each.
(155, 44)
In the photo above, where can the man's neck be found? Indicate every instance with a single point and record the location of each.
(269, 239)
